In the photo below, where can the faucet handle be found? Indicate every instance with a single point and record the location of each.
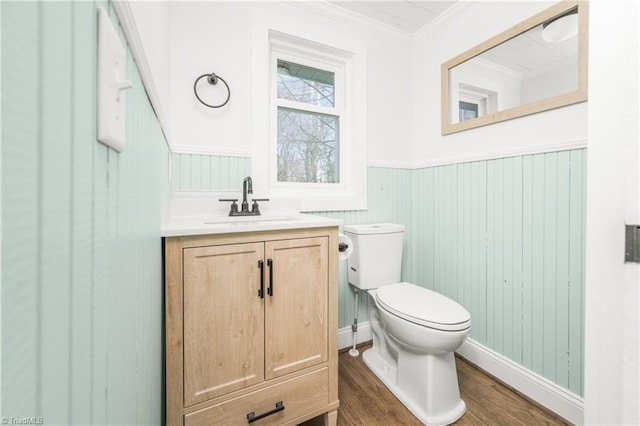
(255, 209)
(234, 204)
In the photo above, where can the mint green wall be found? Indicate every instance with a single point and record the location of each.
(388, 192)
(81, 253)
(198, 172)
(389, 199)
(82, 281)
(503, 237)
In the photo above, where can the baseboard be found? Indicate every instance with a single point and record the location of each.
(546, 393)
(345, 335)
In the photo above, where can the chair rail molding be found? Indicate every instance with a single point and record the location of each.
(127, 20)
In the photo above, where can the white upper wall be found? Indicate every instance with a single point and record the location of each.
(152, 24)
(210, 37)
(217, 37)
(183, 40)
(472, 23)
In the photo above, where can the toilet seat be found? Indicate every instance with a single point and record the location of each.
(423, 307)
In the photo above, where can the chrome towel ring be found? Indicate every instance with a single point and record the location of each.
(213, 80)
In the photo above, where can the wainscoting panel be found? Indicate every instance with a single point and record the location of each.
(198, 172)
(389, 200)
(81, 250)
(505, 239)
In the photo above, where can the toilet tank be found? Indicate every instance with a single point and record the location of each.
(376, 259)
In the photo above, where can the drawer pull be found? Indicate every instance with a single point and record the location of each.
(252, 415)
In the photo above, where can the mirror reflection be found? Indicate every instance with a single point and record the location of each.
(518, 73)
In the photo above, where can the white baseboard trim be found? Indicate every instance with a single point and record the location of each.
(543, 391)
(546, 393)
(345, 335)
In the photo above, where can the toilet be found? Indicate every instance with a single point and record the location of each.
(415, 330)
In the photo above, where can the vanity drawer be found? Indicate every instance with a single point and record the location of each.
(299, 396)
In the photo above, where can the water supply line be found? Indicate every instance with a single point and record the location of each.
(354, 327)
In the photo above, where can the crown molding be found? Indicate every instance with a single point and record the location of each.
(332, 11)
(329, 10)
(443, 17)
(509, 72)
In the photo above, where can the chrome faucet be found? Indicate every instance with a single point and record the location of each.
(247, 188)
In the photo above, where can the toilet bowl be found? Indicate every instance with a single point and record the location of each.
(414, 360)
(415, 330)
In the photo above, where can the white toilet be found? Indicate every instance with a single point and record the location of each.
(415, 330)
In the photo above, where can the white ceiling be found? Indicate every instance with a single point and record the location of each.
(522, 54)
(405, 15)
(529, 54)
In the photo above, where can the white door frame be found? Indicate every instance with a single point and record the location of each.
(612, 299)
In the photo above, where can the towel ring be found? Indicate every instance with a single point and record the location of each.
(213, 80)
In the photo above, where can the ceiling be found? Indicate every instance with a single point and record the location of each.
(405, 15)
(525, 55)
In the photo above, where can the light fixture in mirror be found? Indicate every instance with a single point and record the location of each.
(537, 65)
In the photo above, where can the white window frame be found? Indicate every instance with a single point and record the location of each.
(275, 38)
(487, 100)
(338, 111)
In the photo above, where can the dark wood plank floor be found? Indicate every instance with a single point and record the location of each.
(364, 400)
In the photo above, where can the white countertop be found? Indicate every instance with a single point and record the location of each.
(202, 225)
(200, 215)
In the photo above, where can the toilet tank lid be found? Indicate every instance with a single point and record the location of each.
(374, 228)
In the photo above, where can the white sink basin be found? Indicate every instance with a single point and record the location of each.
(244, 220)
(221, 223)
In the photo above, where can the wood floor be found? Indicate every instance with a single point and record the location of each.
(364, 400)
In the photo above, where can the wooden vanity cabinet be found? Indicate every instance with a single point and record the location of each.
(251, 327)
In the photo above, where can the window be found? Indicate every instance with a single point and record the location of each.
(308, 115)
(468, 111)
(308, 129)
(475, 102)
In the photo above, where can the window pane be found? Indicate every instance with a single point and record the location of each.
(305, 84)
(467, 111)
(307, 147)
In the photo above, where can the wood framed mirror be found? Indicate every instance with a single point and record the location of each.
(537, 65)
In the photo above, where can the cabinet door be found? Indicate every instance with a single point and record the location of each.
(223, 320)
(296, 318)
